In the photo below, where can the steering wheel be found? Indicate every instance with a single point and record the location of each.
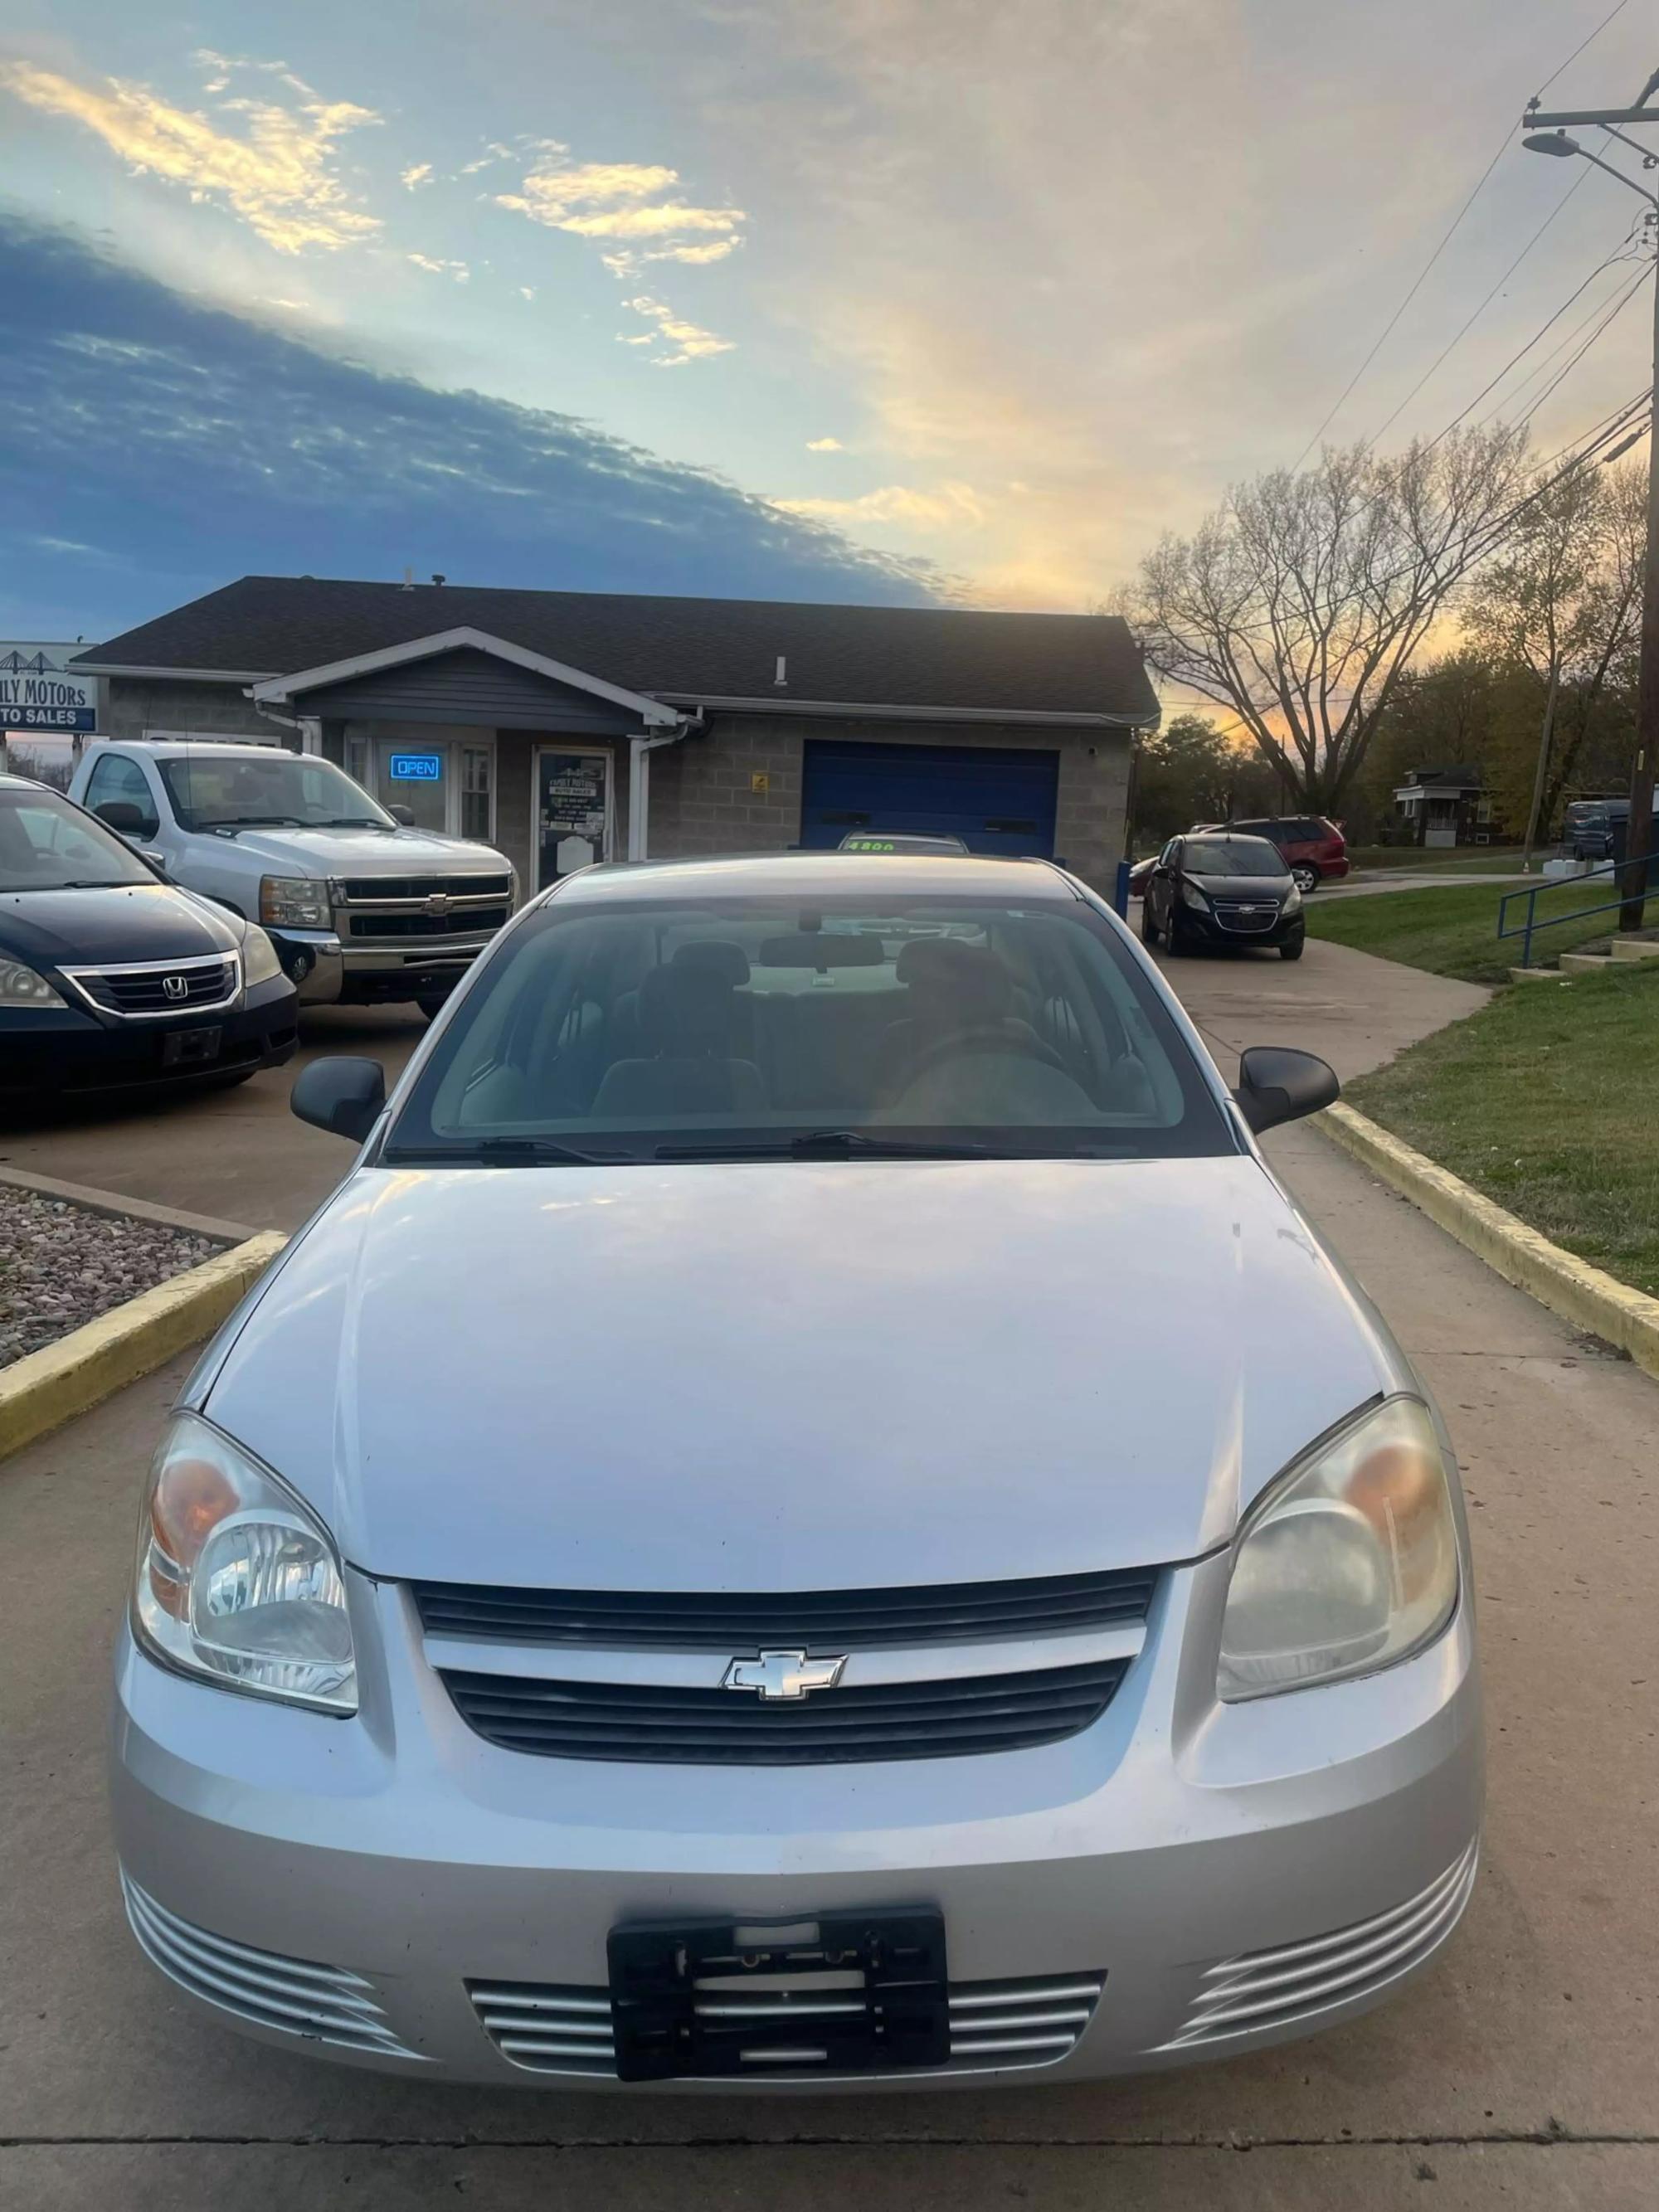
(982, 1039)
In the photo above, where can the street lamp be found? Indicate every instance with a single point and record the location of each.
(1639, 834)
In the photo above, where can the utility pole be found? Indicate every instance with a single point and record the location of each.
(1639, 838)
(1543, 764)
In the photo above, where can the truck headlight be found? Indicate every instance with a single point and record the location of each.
(1347, 1563)
(20, 986)
(293, 902)
(260, 961)
(237, 1581)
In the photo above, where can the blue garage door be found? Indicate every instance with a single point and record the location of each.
(995, 802)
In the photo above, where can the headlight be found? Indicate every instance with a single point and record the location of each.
(260, 961)
(293, 901)
(1347, 1563)
(21, 986)
(237, 1579)
(1193, 897)
(1291, 902)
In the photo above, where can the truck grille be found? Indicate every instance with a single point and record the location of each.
(462, 921)
(565, 2030)
(373, 889)
(949, 1716)
(161, 987)
(815, 1621)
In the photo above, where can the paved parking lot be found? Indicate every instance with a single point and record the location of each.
(1520, 2073)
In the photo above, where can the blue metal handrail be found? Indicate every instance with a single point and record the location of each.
(1524, 930)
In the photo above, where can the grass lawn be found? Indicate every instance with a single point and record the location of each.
(1474, 860)
(1454, 932)
(1545, 1100)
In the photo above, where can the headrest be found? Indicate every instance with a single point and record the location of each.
(685, 1011)
(715, 956)
(970, 977)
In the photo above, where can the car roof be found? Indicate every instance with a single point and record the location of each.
(876, 875)
(195, 749)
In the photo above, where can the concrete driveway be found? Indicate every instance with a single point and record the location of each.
(1520, 2074)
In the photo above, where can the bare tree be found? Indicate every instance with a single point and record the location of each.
(1301, 599)
(1562, 601)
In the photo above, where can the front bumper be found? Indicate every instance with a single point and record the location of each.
(326, 972)
(67, 1050)
(1205, 928)
(402, 1858)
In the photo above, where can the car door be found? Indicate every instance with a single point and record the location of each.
(1161, 890)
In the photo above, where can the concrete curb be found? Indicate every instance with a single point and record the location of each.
(51, 1386)
(113, 1203)
(1588, 1296)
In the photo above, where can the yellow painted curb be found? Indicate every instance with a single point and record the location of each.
(1588, 1296)
(52, 1385)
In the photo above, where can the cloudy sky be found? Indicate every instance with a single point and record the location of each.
(880, 299)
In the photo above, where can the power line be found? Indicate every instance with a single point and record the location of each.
(1580, 47)
(1453, 343)
(1456, 223)
(1554, 354)
(1606, 323)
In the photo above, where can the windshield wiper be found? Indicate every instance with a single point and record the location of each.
(97, 883)
(500, 1151)
(258, 822)
(351, 822)
(827, 1144)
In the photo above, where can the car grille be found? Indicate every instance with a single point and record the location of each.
(466, 921)
(1285, 1988)
(132, 989)
(814, 1620)
(324, 2004)
(1250, 914)
(374, 888)
(946, 1717)
(553, 2030)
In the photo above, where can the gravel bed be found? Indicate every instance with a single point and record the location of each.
(60, 1266)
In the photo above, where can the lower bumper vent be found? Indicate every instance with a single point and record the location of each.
(1263, 1990)
(326, 2004)
(1034, 2022)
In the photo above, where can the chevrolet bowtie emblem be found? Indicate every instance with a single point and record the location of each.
(783, 1675)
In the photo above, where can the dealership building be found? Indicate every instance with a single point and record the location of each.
(564, 727)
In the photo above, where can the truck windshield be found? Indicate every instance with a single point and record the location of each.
(47, 845)
(762, 1028)
(223, 791)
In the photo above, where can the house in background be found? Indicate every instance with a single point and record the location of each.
(1442, 807)
(565, 727)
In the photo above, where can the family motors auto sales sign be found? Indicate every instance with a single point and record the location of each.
(39, 691)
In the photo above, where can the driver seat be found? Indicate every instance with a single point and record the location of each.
(954, 993)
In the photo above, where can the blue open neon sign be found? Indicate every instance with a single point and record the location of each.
(416, 767)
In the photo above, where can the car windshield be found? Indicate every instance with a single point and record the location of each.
(48, 845)
(768, 1028)
(225, 791)
(1234, 856)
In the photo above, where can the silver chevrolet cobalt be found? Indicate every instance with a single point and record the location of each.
(810, 1512)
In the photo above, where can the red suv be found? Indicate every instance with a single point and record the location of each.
(1315, 849)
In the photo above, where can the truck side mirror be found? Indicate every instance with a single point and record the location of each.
(1276, 1083)
(403, 816)
(340, 1095)
(122, 817)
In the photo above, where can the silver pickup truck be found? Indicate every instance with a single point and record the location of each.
(362, 909)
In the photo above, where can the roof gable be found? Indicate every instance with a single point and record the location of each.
(290, 691)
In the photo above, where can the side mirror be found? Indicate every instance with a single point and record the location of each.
(121, 816)
(404, 816)
(343, 1096)
(1276, 1083)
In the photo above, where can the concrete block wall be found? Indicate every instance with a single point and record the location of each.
(144, 706)
(702, 798)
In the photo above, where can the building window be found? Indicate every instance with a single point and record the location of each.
(478, 766)
(356, 760)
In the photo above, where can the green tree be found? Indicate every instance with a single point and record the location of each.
(1189, 773)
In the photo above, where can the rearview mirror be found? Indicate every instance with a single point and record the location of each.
(343, 1096)
(1276, 1083)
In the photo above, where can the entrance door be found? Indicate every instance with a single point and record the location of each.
(574, 812)
(411, 774)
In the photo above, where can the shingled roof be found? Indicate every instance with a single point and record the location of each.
(683, 650)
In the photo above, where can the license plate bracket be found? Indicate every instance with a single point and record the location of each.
(898, 2015)
(191, 1048)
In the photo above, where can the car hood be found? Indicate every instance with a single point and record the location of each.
(367, 852)
(1242, 887)
(812, 1375)
(140, 922)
